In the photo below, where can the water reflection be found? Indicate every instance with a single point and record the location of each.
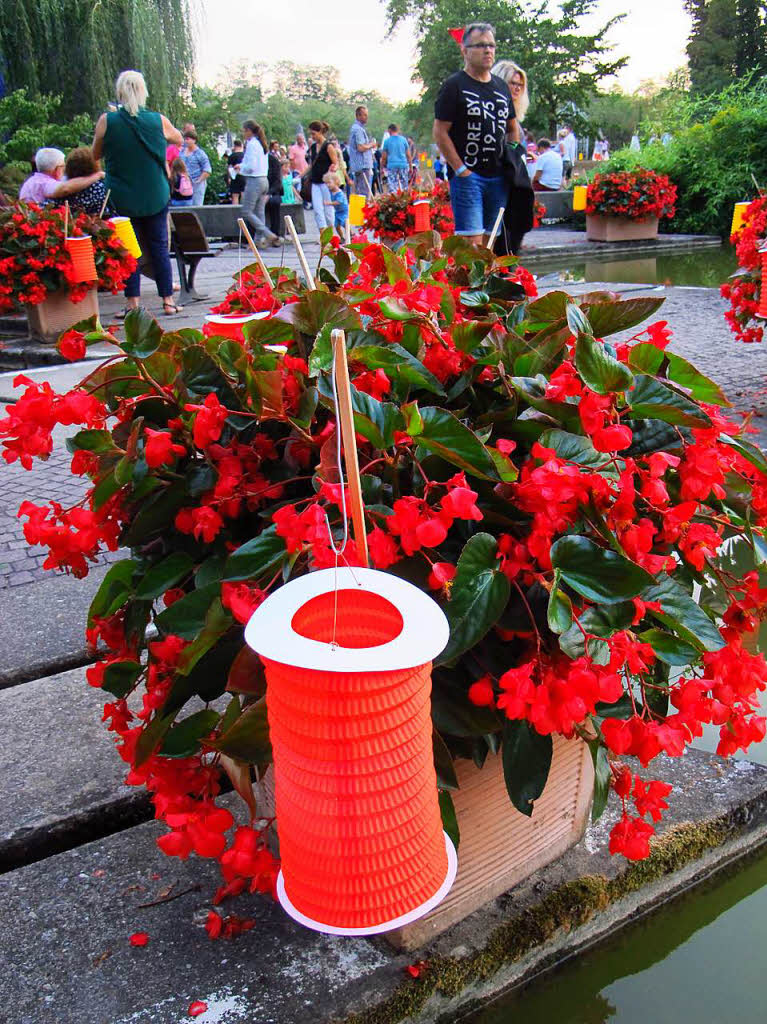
(706, 268)
(700, 958)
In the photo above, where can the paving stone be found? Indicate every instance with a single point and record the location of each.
(65, 953)
(42, 625)
(62, 777)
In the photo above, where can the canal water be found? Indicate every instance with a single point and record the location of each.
(701, 268)
(700, 959)
(703, 957)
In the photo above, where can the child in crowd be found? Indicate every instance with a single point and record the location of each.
(289, 194)
(338, 200)
(182, 190)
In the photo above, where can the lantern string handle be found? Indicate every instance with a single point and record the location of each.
(338, 551)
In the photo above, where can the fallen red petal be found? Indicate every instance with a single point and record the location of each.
(197, 1007)
(139, 939)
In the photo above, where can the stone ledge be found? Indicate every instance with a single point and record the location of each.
(72, 915)
(62, 777)
(42, 626)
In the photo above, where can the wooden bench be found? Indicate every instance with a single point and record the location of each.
(189, 246)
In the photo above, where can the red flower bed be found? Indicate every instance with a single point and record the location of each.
(633, 194)
(34, 261)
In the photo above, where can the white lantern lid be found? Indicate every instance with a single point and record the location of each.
(425, 629)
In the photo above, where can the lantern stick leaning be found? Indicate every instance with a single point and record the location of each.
(254, 249)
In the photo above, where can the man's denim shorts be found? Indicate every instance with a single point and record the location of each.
(476, 202)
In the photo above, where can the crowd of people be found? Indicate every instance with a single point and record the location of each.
(480, 146)
(322, 173)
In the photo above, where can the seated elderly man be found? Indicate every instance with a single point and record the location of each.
(46, 183)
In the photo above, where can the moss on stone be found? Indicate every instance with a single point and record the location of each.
(570, 906)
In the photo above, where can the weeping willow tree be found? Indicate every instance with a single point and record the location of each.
(76, 48)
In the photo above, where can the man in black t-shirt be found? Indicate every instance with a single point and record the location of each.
(474, 115)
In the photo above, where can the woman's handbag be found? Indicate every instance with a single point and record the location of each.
(520, 201)
(514, 167)
(306, 186)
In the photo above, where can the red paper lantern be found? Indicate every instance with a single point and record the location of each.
(457, 34)
(422, 215)
(347, 654)
(229, 325)
(762, 311)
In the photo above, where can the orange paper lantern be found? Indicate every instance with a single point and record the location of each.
(762, 311)
(422, 215)
(347, 654)
(80, 248)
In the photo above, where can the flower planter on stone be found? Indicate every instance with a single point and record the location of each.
(620, 229)
(499, 847)
(48, 319)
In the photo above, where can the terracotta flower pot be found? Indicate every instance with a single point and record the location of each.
(58, 313)
(499, 847)
(620, 229)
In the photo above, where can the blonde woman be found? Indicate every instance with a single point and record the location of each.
(520, 199)
(516, 79)
(132, 141)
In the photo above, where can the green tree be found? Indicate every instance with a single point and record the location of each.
(307, 81)
(76, 48)
(26, 125)
(564, 65)
(284, 99)
(750, 44)
(615, 114)
(728, 40)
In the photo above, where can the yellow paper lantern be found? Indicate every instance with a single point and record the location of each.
(356, 206)
(428, 163)
(124, 230)
(738, 217)
(579, 197)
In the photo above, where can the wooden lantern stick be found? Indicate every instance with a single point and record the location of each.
(496, 228)
(66, 219)
(348, 231)
(346, 421)
(311, 284)
(254, 249)
(104, 204)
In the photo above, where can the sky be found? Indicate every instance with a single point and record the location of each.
(353, 36)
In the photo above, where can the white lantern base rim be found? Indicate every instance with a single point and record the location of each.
(385, 926)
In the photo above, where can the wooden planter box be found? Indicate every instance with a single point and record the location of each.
(620, 229)
(58, 313)
(499, 846)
